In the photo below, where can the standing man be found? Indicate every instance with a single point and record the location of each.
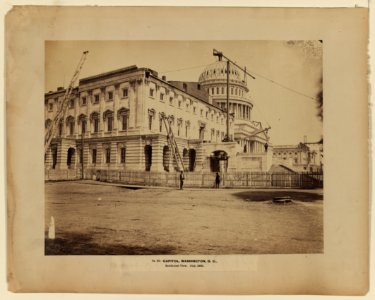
(182, 178)
(217, 180)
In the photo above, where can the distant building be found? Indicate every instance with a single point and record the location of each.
(301, 157)
(114, 121)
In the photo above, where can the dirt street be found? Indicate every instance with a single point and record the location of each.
(103, 219)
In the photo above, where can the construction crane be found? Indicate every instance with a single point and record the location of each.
(173, 144)
(256, 132)
(62, 105)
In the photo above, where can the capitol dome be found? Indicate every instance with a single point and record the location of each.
(217, 72)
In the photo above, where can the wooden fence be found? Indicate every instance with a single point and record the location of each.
(206, 180)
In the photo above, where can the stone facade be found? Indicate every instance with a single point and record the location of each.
(114, 122)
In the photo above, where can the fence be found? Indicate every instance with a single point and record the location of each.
(206, 180)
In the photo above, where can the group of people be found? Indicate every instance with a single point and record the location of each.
(217, 180)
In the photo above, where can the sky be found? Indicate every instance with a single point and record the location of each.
(296, 65)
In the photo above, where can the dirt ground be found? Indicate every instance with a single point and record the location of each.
(95, 218)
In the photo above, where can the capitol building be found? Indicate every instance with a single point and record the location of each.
(116, 121)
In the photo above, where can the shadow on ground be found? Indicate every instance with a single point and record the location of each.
(269, 195)
(82, 244)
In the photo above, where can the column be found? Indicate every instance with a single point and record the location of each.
(86, 155)
(116, 102)
(62, 155)
(157, 155)
(88, 112)
(113, 162)
(48, 158)
(99, 154)
(101, 110)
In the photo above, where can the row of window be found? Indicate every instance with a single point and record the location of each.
(179, 105)
(223, 91)
(96, 99)
(106, 156)
(95, 121)
(284, 153)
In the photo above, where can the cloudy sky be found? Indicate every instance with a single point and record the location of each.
(297, 65)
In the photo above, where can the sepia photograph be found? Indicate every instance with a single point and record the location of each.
(187, 150)
(183, 147)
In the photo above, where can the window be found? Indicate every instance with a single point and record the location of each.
(201, 112)
(110, 123)
(125, 92)
(151, 92)
(107, 155)
(50, 106)
(150, 122)
(179, 104)
(71, 128)
(222, 90)
(160, 125)
(124, 122)
(84, 100)
(93, 155)
(96, 98)
(231, 91)
(110, 96)
(123, 155)
(201, 132)
(217, 91)
(83, 126)
(186, 130)
(96, 125)
(71, 103)
(60, 129)
(194, 110)
(161, 96)
(212, 91)
(207, 114)
(171, 101)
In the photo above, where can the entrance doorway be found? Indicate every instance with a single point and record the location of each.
(71, 157)
(219, 161)
(148, 157)
(192, 155)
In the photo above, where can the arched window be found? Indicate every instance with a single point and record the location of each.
(123, 117)
(151, 116)
(83, 122)
(94, 117)
(108, 119)
(70, 124)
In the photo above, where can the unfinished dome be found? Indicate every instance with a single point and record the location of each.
(217, 73)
